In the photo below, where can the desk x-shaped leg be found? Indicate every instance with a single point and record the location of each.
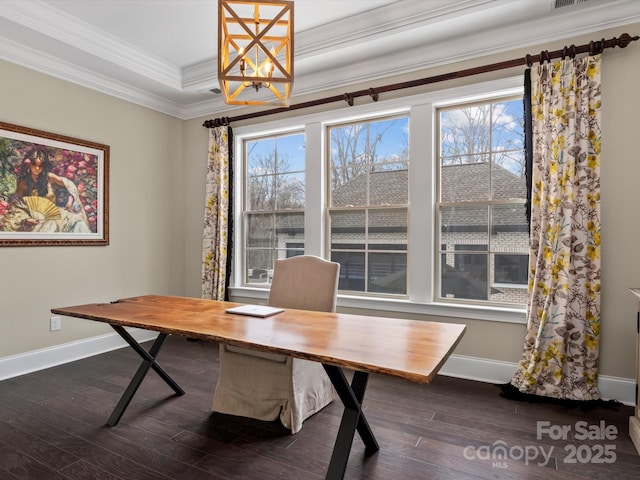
(352, 419)
(148, 361)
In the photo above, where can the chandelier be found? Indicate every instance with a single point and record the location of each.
(255, 51)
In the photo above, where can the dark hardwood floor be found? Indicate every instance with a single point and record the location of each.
(52, 427)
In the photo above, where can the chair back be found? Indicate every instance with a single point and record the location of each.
(305, 282)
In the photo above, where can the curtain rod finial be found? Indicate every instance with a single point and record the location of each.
(624, 40)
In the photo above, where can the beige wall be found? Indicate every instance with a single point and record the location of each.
(620, 170)
(158, 168)
(146, 208)
(196, 141)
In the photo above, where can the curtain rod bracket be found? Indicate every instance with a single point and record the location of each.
(348, 98)
(373, 94)
(217, 122)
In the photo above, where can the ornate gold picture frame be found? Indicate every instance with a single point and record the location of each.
(54, 189)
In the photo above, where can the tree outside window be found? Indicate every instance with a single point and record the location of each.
(482, 227)
(368, 204)
(274, 203)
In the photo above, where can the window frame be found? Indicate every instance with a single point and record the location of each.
(511, 284)
(248, 213)
(369, 247)
(421, 282)
(488, 252)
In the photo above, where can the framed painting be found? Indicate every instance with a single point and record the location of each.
(54, 190)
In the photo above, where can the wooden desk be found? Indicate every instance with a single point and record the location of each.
(410, 349)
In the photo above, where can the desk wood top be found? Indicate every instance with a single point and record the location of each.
(410, 349)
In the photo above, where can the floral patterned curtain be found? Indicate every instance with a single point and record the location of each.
(561, 348)
(216, 242)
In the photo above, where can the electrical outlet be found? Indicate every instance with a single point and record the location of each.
(55, 324)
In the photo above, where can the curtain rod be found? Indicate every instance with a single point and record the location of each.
(592, 48)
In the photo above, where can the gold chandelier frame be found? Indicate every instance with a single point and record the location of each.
(255, 51)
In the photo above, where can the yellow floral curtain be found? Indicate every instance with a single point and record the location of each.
(561, 347)
(216, 244)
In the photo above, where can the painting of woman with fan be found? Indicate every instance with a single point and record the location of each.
(44, 201)
(53, 189)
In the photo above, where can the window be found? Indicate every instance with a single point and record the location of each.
(368, 206)
(481, 224)
(420, 199)
(274, 203)
(467, 277)
(512, 269)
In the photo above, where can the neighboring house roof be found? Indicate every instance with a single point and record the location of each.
(461, 183)
(387, 187)
(465, 182)
(468, 182)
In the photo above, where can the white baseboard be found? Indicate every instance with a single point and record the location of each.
(498, 372)
(459, 366)
(35, 360)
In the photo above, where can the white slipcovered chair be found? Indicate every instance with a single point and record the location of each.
(267, 386)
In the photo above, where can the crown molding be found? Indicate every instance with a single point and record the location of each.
(456, 50)
(349, 51)
(200, 76)
(41, 18)
(49, 65)
(513, 37)
(443, 52)
(368, 25)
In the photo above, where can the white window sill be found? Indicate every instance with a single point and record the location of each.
(395, 306)
(514, 286)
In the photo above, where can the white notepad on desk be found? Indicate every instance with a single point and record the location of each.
(255, 310)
